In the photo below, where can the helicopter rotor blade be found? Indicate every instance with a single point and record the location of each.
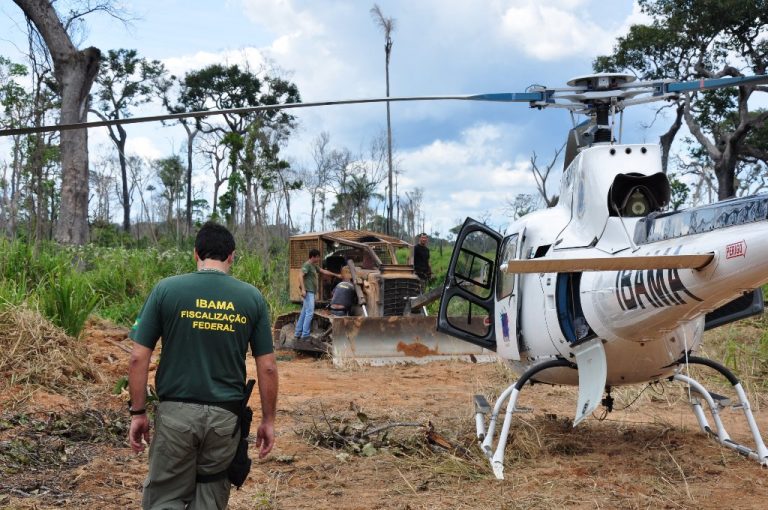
(716, 83)
(527, 97)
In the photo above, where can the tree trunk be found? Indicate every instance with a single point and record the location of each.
(75, 71)
(248, 205)
(725, 170)
(120, 142)
(191, 134)
(667, 138)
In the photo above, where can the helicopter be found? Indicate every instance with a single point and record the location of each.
(625, 287)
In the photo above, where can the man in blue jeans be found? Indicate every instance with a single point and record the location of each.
(308, 287)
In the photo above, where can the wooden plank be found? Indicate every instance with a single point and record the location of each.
(547, 265)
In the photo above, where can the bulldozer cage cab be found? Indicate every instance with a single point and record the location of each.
(370, 252)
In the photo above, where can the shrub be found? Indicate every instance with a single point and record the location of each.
(67, 300)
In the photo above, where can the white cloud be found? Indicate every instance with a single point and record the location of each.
(250, 57)
(470, 176)
(145, 148)
(559, 29)
(282, 17)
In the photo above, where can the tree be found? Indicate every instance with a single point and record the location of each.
(705, 39)
(411, 210)
(30, 195)
(679, 192)
(213, 149)
(387, 25)
(224, 87)
(523, 203)
(316, 181)
(185, 102)
(125, 81)
(541, 177)
(74, 70)
(170, 171)
(17, 109)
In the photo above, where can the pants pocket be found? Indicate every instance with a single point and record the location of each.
(174, 436)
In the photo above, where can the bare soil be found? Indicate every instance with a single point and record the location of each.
(650, 455)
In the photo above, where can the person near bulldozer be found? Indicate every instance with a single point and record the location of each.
(308, 284)
(343, 296)
(421, 261)
(207, 321)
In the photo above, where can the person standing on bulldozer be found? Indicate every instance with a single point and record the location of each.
(308, 284)
(421, 261)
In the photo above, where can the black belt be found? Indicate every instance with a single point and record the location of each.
(232, 406)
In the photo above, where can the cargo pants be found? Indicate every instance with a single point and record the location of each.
(189, 439)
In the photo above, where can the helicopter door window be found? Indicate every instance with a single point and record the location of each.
(474, 265)
(505, 282)
(467, 316)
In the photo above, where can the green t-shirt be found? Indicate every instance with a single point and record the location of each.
(309, 271)
(207, 321)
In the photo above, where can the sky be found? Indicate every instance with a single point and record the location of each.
(470, 158)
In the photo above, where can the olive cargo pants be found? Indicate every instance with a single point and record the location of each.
(190, 439)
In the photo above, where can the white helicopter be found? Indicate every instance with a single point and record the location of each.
(626, 289)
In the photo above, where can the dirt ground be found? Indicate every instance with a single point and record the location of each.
(651, 455)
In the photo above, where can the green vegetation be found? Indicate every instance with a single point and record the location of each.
(67, 284)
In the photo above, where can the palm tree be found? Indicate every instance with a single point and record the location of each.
(388, 26)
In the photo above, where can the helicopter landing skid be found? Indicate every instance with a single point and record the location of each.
(715, 403)
(485, 436)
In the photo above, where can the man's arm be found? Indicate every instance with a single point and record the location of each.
(266, 370)
(138, 369)
(301, 283)
(328, 273)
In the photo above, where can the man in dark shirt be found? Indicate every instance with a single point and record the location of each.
(421, 261)
(207, 321)
(343, 297)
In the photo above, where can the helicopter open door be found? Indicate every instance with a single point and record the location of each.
(467, 303)
(508, 298)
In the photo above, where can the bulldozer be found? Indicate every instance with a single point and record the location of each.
(388, 324)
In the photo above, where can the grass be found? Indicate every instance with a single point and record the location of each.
(69, 283)
(67, 300)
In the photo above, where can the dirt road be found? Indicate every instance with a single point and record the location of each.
(650, 455)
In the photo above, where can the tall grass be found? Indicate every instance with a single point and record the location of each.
(69, 283)
(67, 300)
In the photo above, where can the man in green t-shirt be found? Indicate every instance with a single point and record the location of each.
(207, 320)
(308, 287)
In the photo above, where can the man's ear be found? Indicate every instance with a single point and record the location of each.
(197, 257)
(231, 258)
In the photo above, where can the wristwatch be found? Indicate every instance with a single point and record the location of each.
(136, 412)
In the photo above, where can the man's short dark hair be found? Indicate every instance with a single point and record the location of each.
(214, 241)
(314, 252)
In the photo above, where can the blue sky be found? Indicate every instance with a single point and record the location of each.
(470, 158)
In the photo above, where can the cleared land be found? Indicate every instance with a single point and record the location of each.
(64, 446)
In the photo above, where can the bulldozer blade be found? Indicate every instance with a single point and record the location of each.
(390, 340)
